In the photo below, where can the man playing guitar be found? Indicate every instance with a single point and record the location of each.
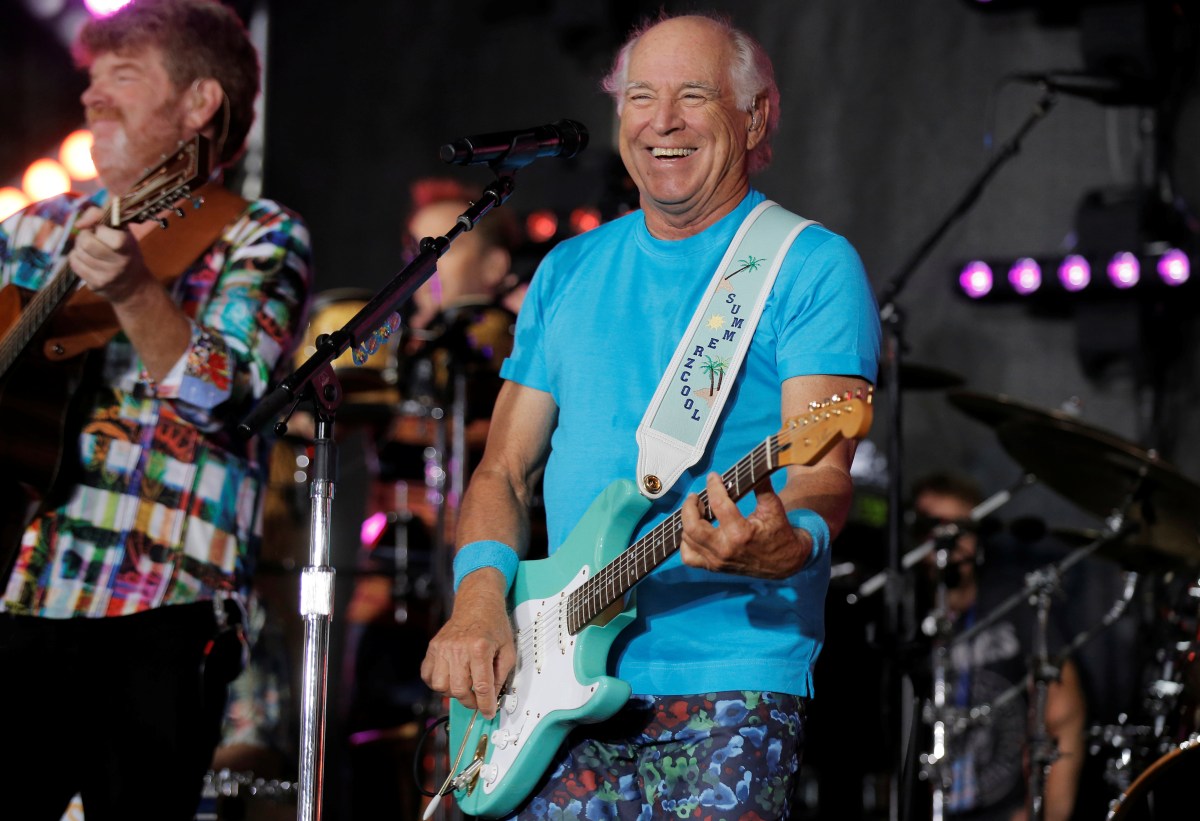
(118, 634)
(720, 651)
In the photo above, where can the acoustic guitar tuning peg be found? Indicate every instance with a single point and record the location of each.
(162, 222)
(179, 212)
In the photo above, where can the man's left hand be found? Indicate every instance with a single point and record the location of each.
(763, 544)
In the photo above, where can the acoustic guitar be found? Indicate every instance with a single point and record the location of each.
(45, 338)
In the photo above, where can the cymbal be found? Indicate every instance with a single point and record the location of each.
(1127, 552)
(994, 410)
(1102, 473)
(916, 377)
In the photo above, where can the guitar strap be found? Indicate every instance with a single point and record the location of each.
(685, 408)
(86, 321)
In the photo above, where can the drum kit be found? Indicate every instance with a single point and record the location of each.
(1151, 516)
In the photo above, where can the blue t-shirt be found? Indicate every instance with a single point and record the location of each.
(603, 315)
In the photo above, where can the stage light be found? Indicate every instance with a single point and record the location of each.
(12, 200)
(1025, 276)
(976, 279)
(1075, 273)
(584, 219)
(75, 154)
(45, 9)
(45, 178)
(1173, 267)
(372, 529)
(1124, 270)
(103, 8)
(541, 226)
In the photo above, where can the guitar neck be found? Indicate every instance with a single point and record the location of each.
(42, 306)
(615, 579)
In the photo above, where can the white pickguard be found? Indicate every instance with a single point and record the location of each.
(543, 681)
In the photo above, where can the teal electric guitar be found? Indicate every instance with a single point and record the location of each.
(567, 610)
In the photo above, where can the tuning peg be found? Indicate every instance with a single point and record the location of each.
(179, 212)
(162, 222)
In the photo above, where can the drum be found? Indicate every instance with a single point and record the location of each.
(372, 385)
(1164, 789)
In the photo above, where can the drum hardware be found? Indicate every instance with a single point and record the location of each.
(230, 784)
(947, 722)
(951, 530)
(1097, 471)
(1159, 507)
(1162, 790)
(948, 725)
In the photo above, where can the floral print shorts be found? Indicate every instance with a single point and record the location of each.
(728, 756)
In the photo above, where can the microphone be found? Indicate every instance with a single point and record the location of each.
(518, 148)
(1106, 89)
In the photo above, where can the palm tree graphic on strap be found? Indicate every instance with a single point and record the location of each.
(715, 370)
(750, 263)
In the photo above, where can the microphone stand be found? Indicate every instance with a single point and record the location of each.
(892, 321)
(315, 380)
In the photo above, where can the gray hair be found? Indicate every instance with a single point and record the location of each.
(751, 73)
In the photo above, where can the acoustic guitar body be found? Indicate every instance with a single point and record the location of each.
(41, 412)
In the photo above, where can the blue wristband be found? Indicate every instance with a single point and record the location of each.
(816, 526)
(475, 555)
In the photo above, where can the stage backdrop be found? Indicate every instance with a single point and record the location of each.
(887, 112)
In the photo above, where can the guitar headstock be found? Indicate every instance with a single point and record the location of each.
(805, 438)
(160, 188)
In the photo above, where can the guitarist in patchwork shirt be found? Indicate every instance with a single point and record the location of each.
(118, 630)
(720, 653)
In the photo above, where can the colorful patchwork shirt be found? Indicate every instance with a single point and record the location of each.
(167, 508)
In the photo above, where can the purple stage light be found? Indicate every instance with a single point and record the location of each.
(1025, 276)
(1124, 271)
(976, 279)
(1174, 268)
(103, 8)
(1074, 273)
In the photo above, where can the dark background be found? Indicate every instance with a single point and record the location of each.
(887, 115)
(887, 110)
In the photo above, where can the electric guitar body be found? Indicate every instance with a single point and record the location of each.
(560, 680)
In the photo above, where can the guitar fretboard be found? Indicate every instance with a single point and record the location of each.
(35, 314)
(636, 561)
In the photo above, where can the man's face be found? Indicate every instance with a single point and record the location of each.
(135, 113)
(463, 271)
(682, 137)
(943, 509)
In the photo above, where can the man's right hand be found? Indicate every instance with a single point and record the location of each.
(471, 656)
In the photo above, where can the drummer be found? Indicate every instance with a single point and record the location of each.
(477, 267)
(474, 292)
(989, 760)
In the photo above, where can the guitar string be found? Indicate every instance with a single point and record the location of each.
(601, 586)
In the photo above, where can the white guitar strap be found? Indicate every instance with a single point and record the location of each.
(691, 394)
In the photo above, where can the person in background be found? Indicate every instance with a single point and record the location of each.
(120, 626)
(989, 761)
(719, 655)
(477, 269)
